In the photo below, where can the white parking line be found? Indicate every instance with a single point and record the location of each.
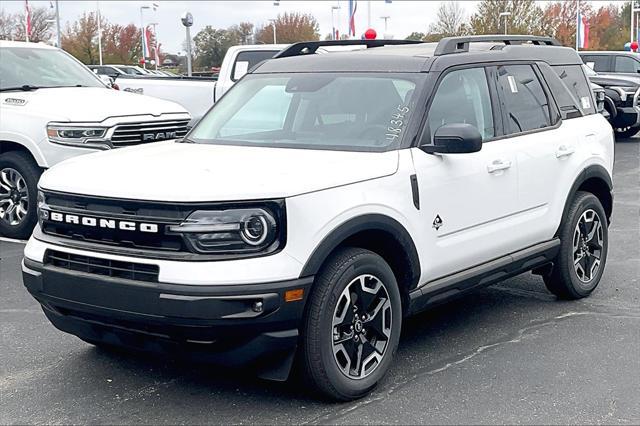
(11, 240)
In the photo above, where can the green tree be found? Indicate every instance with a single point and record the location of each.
(415, 36)
(290, 28)
(121, 44)
(211, 44)
(81, 38)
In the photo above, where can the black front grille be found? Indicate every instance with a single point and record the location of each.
(105, 267)
(160, 214)
(153, 131)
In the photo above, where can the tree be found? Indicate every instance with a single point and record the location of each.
(121, 44)
(80, 38)
(242, 32)
(210, 45)
(416, 36)
(41, 25)
(525, 18)
(450, 20)
(607, 30)
(8, 25)
(290, 28)
(559, 20)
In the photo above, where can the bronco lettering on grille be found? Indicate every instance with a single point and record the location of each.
(123, 225)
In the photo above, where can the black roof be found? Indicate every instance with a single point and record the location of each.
(418, 57)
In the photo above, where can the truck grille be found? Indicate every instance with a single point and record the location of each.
(105, 267)
(137, 133)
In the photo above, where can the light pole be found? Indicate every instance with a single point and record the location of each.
(333, 25)
(635, 7)
(506, 16)
(386, 18)
(273, 23)
(187, 21)
(144, 59)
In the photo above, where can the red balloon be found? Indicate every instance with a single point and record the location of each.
(370, 34)
(634, 45)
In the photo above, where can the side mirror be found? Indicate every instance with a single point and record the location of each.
(106, 80)
(455, 138)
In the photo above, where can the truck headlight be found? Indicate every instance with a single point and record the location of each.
(90, 137)
(233, 231)
(625, 91)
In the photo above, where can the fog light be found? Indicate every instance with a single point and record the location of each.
(257, 307)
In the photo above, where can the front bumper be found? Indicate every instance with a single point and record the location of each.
(627, 117)
(218, 324)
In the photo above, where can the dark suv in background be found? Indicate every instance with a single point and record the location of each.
(621, 100)
(627, 63)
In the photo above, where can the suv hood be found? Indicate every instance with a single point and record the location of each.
(92, 104)
(608, 81)
(170, 171)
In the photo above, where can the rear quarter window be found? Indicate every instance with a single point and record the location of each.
(574, 79)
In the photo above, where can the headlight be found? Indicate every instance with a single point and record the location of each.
(77, 135)
(233, 231)
(625, 91)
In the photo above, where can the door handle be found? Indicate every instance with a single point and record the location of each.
(497, 165)
(564, 151)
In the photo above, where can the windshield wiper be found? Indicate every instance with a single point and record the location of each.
(29, 87)
(24, 87)
(186, 140)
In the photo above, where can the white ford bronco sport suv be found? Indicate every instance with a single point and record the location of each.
(53, 108)
(326, 197)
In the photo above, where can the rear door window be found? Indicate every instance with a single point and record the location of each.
(626, 64)
(524, 101)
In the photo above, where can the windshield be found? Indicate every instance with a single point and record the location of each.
(346, 111)
(25, 66)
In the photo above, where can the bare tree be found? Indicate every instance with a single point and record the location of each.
(451, 19)
(41, 25)
(8, 24)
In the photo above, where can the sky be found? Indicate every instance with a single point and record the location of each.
(405, 16)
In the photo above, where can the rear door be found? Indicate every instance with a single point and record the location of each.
(546, 147)
(468, 201)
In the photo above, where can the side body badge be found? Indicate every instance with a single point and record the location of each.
(437, 222)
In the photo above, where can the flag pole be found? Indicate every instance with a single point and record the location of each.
(577, 25)
(27, 18)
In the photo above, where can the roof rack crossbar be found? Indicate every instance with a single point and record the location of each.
(449, 45)
(309, 47)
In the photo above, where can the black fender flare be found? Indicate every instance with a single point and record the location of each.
(592, 171)
(613, 111)
(368, 222)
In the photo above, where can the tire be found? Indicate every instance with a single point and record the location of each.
(583, 242)
(20, 174)
(627, 133)
(327, 365)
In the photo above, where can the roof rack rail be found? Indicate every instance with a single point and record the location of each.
(308, 47)
(450, 45)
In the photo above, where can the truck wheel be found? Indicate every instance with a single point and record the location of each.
(580, 263)
(352, 324)
(18, 194)
(627, 132)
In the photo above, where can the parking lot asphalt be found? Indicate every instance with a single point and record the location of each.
(510, 353)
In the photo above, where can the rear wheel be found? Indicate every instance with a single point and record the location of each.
(352, 326)
(579, 265)
(18, 194)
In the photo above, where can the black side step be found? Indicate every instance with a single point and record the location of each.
(445, 288)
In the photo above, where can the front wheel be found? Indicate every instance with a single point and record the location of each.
(19, 177)
(352, 325)
(584, 238)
